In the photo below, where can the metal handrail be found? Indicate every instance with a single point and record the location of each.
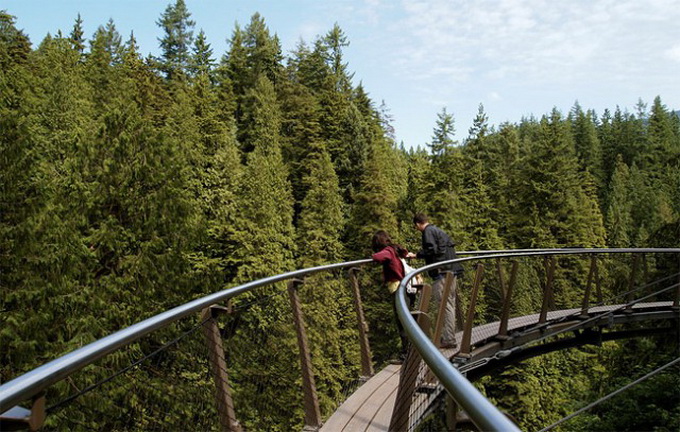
(482, 412)
(33, 382)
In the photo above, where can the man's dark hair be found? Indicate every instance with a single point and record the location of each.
(420, 218)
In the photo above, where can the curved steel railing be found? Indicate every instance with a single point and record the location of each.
(481, 411)
(33, 382)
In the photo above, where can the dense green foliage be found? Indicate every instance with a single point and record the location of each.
(130, 185)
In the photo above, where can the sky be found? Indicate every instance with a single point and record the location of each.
(517, 58)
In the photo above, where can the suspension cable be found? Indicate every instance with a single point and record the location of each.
(611, 395)
(127, 368)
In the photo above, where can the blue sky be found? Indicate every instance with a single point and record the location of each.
(516, 57)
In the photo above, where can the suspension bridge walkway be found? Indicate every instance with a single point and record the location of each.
(216, 364)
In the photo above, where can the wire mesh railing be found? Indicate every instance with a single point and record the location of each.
(258, 356)
(229, 361)
(514, 300)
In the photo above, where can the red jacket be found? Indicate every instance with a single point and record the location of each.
(393, 269)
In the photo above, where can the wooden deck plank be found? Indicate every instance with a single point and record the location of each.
(353, 404)
(375, 413)
(381, 420)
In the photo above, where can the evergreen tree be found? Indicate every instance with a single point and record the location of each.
(550, 205)
(662, 141)
(375, 204)
(479, 225)
(266, 203)
(253, 53)
(588, 147)
(201, 62)
(76, 35)
(618, 220)
(443, 183)
(442, 139)
(321, 217)
(334, 41)
(263, 51)
(217, 174)
(177, 39)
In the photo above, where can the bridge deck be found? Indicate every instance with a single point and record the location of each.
(369, 409)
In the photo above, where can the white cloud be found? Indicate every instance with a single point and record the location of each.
(539, 40)
(673, 53)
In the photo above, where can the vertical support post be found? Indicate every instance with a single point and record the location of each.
(449, 283)
(505, 313)
(425, 297)
(312, 411)
(469, 320)
(407, 379)
(645, 274)
(451, 413)
(548, 291)
(586, 295)
(676, 302)
(218, 366)
(598, 285)
(366, 364)
(20, 418)
(631, 282)
(501, 279)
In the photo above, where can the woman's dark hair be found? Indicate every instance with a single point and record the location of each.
(381, 240)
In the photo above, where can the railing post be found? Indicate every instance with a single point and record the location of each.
(451, 413)
(548, 291)
(409, 372)
(218, 366)
(631, 282)
(366, 363)
(586, 295)
(598, 286)
(425, 297)
(312, 411)
(676, 302)
(449, 283)
(469, 320)
(20, 418)
(501, 278)
(505, 313)
(645, 274)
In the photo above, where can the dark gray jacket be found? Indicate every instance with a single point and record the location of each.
(437, 246)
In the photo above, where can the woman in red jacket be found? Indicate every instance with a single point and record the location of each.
(389, 255)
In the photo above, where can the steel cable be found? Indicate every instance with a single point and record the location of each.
(612, 394)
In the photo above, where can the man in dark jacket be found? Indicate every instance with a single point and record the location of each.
(437, 246)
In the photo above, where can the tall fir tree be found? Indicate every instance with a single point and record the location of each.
(266, 233)
(588, 146)
(76, 35)
(618, 214)
(201, 61)
(177, 40)
(443, 183)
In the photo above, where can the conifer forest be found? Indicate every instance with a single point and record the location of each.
(130, 184)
